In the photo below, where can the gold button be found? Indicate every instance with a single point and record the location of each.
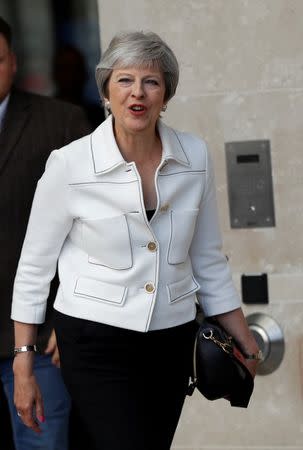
(149, 287)
(152, 246)
(164, 207)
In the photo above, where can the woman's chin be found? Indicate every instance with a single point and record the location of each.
(139, 125)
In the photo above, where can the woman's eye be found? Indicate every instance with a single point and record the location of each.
(152, 82)
(124, 80)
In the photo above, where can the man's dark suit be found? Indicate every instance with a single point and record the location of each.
(33, 126)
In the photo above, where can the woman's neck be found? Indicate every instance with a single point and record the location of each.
(139, 146)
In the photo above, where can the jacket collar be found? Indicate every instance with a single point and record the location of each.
(106, 154)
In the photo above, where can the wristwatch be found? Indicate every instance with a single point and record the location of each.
(25, 348)
(258, 356)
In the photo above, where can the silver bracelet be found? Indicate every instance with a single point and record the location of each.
(25, 348)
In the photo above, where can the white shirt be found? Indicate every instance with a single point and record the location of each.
(3, 108)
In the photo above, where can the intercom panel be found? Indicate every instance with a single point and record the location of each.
(250, 188)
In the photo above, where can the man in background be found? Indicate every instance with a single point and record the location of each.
(31, 126)
(70, 76)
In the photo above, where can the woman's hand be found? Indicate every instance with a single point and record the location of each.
(27, 395)
(52, 349)
(252, 366)
(235, 324)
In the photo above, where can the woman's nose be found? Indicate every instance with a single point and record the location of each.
(138, 90)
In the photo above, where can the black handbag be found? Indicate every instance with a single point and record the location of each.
(218, 366)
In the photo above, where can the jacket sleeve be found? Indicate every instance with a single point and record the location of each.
(48, 226)
(217, 293)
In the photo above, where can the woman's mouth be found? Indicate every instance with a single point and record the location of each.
(137, 109)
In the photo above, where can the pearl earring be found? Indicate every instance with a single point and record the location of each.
(107, 105)
(164, 107)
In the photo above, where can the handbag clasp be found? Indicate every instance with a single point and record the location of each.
(226, 346)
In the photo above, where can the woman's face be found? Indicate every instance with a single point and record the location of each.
(136, 96)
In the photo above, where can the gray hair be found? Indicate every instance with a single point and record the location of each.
(138, 49)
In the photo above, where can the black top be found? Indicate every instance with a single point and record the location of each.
(150, 213)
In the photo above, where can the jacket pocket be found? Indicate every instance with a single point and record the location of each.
(107, 242)
(181, 289)
(182, 227)
(99, 291)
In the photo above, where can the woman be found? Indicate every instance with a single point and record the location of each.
(130, 214)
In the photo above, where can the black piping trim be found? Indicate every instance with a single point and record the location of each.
(185, 294)
(151, 309)
(170, 238)
(188, 163)
(100, 298)
(91, 150)
(131, 252)
(190, 172)
(94, 162)
(102, 182)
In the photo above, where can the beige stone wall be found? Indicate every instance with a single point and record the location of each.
(242, 79)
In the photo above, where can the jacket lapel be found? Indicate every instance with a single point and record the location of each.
(172, 147)
(105, 152)
(15, 119)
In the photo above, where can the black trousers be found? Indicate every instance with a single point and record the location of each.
(127, 387)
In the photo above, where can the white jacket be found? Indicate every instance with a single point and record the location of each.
(116, 267)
